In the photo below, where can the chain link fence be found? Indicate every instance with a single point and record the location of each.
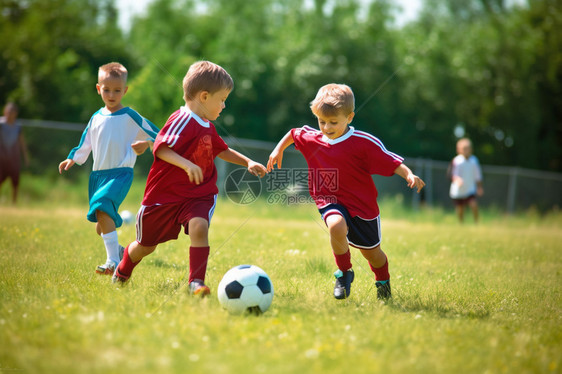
(507, 189)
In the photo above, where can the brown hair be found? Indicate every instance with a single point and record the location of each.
(333, 99)
(114, 70)
(205, 76)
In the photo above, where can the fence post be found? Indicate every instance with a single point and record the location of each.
(419, 171)
(512, 190)
(428, 179)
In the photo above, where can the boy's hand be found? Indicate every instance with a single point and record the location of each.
(479, 191)
(140, 146)
(458, 181)
(276, 157)
(65, 165)
(194, 172)
(415, 182)
(257, 169)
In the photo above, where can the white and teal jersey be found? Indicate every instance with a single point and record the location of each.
(109, 137)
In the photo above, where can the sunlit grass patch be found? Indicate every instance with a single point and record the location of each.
(468, 299)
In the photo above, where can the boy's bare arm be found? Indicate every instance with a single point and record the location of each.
(276, 156)
(479, 188)
(193, 171)
(413, 180)
(234, 157)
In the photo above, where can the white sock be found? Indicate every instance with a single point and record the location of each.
(111, 246)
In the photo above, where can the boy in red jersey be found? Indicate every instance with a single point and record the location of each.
(181, 189)
(341, 161)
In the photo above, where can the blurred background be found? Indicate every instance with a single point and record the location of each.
(424, 73)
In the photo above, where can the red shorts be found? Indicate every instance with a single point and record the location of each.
(10, 166)
(159, 223)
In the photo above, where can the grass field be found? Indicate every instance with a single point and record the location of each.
(467, 299)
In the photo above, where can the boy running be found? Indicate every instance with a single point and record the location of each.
(115, 135)
(181, 189)
(341, 161)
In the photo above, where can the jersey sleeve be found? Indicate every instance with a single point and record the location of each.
(219, 145)
(80, 153)
(379, 160)
(164, 137)
(299, 136)
(147, 130)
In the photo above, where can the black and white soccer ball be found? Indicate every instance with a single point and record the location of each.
(245, 288)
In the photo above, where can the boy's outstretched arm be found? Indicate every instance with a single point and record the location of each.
(234, 157)
(276, 156)
(193, 171)
(413, 180)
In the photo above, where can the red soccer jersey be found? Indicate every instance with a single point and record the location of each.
(194, 139)
(341, 168)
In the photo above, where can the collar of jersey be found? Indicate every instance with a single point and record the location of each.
(342, 138)
(104, 111)
(199, 120)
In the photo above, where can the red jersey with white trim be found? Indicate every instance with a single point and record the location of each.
(194, 139)
(341, 168)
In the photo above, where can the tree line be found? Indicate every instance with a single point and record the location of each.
(486, 69)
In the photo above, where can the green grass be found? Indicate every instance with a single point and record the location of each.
(467, 299)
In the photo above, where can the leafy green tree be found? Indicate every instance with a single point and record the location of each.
(492, 70)
(51, 50)
(543, 21)
(475, 64)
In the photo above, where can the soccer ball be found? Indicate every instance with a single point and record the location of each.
(245, 288)
(128, 217)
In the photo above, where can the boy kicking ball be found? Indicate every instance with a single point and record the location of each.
(181, 189)
(341, 161)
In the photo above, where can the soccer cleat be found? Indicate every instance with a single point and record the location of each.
(383, 290)
(119, 278)
(342, 288)
(106, 269)
(198, 288)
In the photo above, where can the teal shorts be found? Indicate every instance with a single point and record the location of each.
(106, 190)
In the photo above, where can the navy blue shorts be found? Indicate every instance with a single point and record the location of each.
(361, 233)
(465, 200)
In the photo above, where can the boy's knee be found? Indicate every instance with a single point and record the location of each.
(137, 251)
(337, 225)
(198, 226)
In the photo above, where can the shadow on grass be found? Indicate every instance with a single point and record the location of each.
(442, 308)
(168, 286)
(159, 263)
(318, 265)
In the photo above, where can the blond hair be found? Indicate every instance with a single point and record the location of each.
(464, 142)
(332, 100)
(205, 76)
(113, 70)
